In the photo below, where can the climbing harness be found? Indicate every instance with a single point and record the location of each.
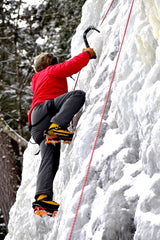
(99, 127)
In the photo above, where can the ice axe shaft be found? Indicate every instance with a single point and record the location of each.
(85, 34)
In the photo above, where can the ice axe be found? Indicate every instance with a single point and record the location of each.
(85, 35)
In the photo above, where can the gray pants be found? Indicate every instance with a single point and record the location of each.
(61, 111)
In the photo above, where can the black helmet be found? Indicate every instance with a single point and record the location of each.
(44, 60)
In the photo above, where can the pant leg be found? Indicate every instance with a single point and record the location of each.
(66, 106)
(50, 156)
(40, 119)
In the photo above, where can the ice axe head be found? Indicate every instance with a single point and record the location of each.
(85, 35)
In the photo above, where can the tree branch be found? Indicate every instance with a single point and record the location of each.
(5, 128)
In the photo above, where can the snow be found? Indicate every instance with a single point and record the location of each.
(121, 198)
(33, 2)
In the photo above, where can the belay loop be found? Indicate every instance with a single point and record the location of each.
(85, 35)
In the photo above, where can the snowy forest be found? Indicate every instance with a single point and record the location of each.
(116, 145)
(26, 29)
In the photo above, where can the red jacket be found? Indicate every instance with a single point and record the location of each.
(51, 82)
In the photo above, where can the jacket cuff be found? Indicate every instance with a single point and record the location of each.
(89, 54)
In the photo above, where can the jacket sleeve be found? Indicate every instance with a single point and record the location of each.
(71, 66)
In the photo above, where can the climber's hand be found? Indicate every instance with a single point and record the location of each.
(91, 52)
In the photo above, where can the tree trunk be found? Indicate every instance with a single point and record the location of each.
(9, 177)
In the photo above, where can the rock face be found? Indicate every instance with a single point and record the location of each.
(121, 199)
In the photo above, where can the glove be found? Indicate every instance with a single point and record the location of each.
(91, 52)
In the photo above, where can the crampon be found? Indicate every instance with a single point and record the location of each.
(56, 139)
(42, 212)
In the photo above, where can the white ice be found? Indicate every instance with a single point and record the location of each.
(121, 199)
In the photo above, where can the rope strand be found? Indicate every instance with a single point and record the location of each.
(107, 12)
(100, 25)
(99, 127)
(76, 81)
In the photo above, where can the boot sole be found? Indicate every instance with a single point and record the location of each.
(42, 212)
(55, 139)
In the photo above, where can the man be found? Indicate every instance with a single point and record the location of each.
(52, 109)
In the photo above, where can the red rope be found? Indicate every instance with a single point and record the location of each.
(76, 81)
(100, 25)
(97, 134)
(107, 12)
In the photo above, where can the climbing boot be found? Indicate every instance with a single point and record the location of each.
(58, 131)
(44, 206)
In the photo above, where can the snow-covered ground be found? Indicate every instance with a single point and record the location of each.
(121, 199)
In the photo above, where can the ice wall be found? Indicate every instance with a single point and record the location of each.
(122, 196)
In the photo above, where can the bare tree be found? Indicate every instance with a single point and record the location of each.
(10, 166)
(9, 177)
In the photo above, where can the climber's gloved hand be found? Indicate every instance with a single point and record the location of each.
(91, 52)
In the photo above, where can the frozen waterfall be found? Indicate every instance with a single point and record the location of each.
(121, 199)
